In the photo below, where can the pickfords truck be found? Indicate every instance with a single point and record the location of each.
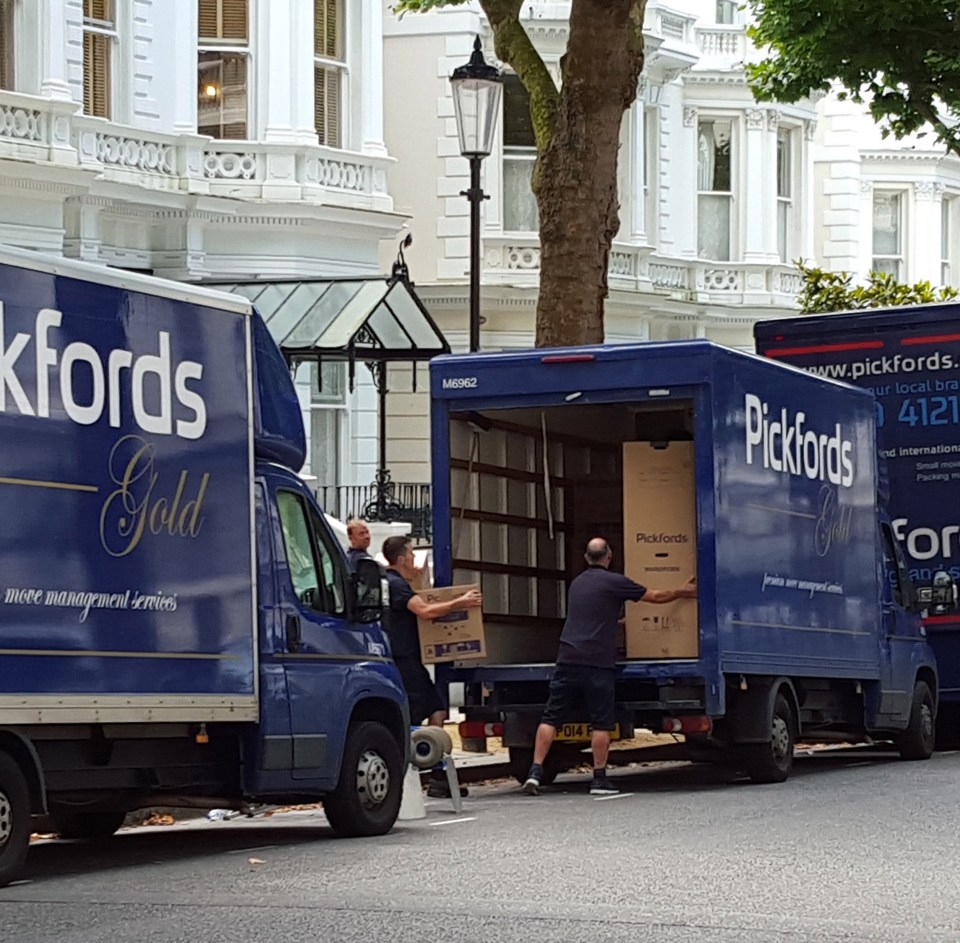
(691, 459)
(178, 626)
(909, 357)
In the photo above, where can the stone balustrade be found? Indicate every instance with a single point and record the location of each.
(44, 130)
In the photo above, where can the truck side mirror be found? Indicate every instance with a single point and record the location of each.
(368, 592)
(941, 595)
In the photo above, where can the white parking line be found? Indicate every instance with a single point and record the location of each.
(247, 851)
(620, 795)
(472, 818)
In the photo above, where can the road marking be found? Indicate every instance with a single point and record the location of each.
(621, 795)
(472, 818)
(247, 851)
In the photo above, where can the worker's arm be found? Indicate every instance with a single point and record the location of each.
(687, 591)
(472, 599)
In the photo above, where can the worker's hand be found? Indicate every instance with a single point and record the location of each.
(472, 599)
(689, 589)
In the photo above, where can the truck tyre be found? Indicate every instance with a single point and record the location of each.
(366, 799)
(93, 824)
(772, 761)
(917, 741)
(429, 745)
(14, 820)
(521, 759)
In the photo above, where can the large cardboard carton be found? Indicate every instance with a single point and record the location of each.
(660, 546)
(454, 637)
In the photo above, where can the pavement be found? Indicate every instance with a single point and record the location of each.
(487, 767)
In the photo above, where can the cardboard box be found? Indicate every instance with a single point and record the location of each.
(454, 637)
(660, 547)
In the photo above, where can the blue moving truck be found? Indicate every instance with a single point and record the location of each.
(178, 625)
(909, 357)
(807, 624)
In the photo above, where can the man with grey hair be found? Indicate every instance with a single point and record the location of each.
(587, 659)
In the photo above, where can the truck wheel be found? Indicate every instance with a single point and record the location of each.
(429, 744)
(521, 759)
(366, 799)
(14, 820)
(93, 824)
(771, 762)
(916, 742)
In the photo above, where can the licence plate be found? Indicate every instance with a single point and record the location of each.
(581, 732)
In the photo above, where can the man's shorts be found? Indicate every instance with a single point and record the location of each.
(578, 690)
(422, 694)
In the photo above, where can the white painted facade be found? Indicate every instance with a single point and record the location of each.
(883, 204)
(143, 190)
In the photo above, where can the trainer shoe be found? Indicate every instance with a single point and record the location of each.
(602, 786)
(531, 786)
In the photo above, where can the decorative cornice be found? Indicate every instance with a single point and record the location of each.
(737, 79)
(928, 190)
(42, 186)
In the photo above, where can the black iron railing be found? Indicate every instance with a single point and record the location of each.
(394, 501)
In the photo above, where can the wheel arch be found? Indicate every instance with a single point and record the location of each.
(753, 708)
(24, 754)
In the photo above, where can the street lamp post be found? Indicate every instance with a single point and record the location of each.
(476, 101)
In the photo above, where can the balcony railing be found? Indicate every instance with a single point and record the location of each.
(514, 260)
(409, 503)
(44, 130)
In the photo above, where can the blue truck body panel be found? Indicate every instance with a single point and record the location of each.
(909, 358)
(789, 556)
(124, 479)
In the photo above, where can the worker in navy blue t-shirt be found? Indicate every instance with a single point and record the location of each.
(587, 658)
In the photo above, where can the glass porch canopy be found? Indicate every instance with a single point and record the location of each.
(372, 319)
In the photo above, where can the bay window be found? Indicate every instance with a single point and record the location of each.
(714, 189)
(222, 69)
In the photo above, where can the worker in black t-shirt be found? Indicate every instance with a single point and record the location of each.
(401, 625)
(587, 658)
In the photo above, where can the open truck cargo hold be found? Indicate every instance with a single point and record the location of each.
(806, 621)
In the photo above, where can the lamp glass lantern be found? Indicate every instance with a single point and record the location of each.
(477, 87)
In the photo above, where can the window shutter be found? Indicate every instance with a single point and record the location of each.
(234, 19)
(98, 10)
(96, 75)
(209, 19)
(327, 29)
(223, 19)
(6, 44)
(327, 105)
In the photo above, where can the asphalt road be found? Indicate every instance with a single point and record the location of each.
(855, 847)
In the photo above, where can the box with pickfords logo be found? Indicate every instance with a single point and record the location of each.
(457, 636)
(660, 546)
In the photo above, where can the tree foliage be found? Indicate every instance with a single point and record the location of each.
(577, 132)
(901, 58)
(824, 292)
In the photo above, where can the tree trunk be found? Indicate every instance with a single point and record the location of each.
(576, 178)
